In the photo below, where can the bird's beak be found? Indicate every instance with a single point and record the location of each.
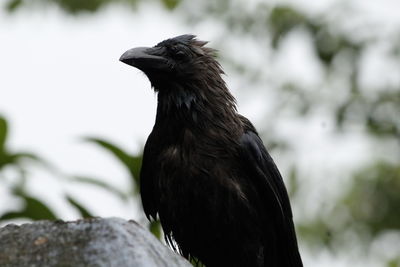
(144, 58)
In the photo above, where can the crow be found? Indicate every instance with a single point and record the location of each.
(205, 172)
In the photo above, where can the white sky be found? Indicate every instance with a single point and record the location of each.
(60, 80)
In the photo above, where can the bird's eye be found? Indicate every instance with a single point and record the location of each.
(177, 52)
(179, 55)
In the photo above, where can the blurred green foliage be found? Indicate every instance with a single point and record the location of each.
(79, 6)
(132, 163)
(374, 198)
(19, 162)
(369, 205)
(11, 158)
(33, 209)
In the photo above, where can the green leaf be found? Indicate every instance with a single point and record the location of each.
(13, 5)
(395, 262)
(170, 4)
(15, 159)
(101, 184)
(293, 182)
(34, 209)
(155, 228)
(25, 155)
(4, 159)
(118, 152)
(135, 169)
(3, 133)
(282, 20)
(76, 6)
(82, 210)
(131, 162)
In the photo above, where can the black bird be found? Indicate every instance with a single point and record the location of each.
(206, 173)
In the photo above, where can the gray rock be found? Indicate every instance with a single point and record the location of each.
(90, 242)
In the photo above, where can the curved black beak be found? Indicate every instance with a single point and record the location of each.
(144, 58)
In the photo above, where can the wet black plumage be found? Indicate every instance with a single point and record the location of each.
(206, 173)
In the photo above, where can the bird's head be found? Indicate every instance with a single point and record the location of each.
(186, 75)
(175, 62)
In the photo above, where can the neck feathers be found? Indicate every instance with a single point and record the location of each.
(202, 100)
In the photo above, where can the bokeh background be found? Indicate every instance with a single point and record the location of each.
(319, 79)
